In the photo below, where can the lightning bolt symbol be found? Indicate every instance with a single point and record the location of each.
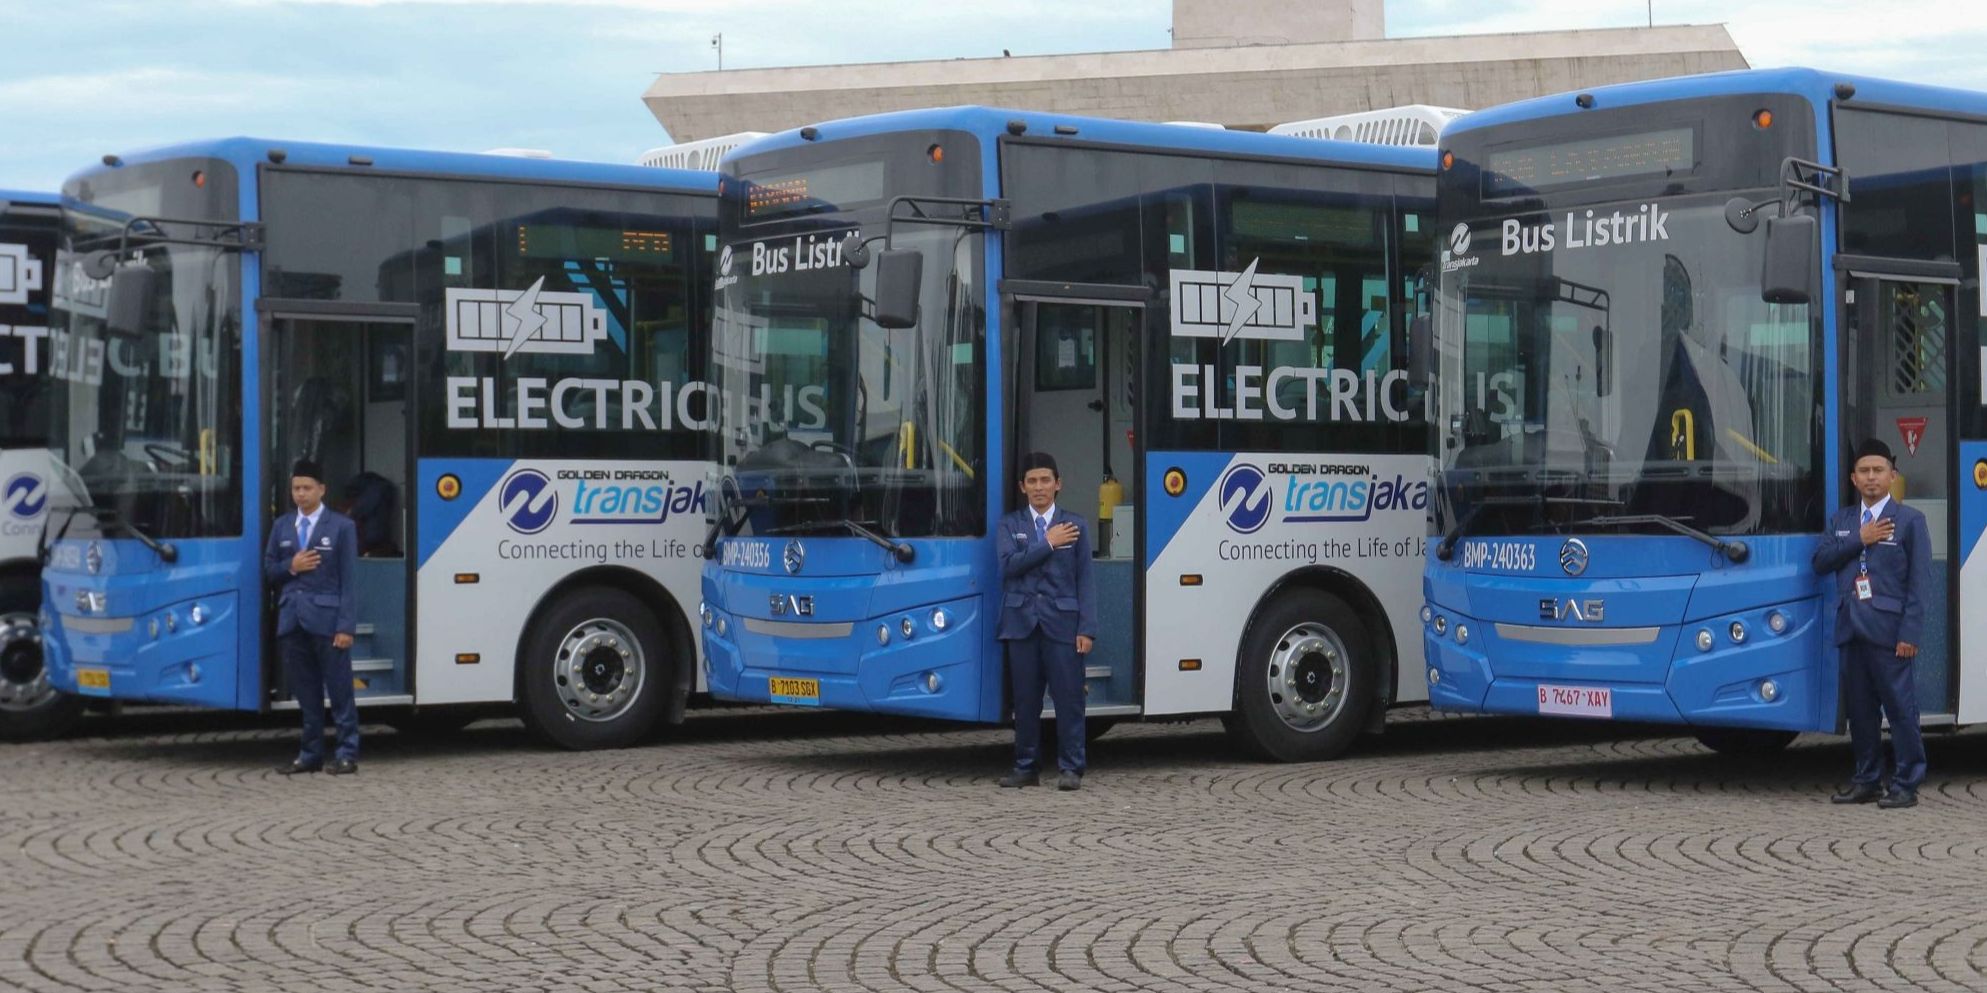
(524, 310)
(1241, 296)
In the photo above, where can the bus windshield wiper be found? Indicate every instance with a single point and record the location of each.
(165, 550)
(900, 549)
(1447, 546)
(1736, 551)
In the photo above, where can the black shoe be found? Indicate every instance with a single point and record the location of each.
(342, 767)
(296, 767)
(1070, 781)
(1898, 799)
(1858, 793)
(1019, 778)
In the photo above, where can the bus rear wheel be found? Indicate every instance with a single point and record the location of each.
(1305, 681)
(30, 709)
(1740, 742)
(595, 670)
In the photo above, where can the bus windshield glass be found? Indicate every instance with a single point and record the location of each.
(830, 420)
(1608, 361)
(147, 419)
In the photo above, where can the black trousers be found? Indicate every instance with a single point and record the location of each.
(1032, 662)
(318, 672)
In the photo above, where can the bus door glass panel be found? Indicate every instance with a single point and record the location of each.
(1897, 366)
(1079, 402)
(337, 394)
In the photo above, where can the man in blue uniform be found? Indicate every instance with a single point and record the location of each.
(1048, 619)
(311, 560)
(1881, 555)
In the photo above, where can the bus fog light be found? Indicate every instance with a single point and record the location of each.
(1776, 622)
(1704, 639)
(883, 634)
(1427, 613)
(1738, 632)
(193, 672)
(1462, 634)
(939, 620)
(907, 628)
(932, 682)
(1769, 690)
(1434, 675)
(722, 627)
(1441, 625)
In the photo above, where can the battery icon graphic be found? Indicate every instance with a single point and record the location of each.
(1275, 307)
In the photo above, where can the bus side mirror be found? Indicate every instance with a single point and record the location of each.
(1420, 351)
(899, 274)
(131, 289)
(1790, 259)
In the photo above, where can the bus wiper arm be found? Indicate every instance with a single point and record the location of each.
(1736, 551)
(901, 550)
(165, 550)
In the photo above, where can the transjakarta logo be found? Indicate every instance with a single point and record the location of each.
(1265, 307)
(20, 273)
(532, 321)
(1305, 493)
(1456, 255)
(1646, 223)
(25, 496)
(725, 278)
(1245, 498)
(529, 500)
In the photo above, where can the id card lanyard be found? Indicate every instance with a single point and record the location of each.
(1863, 591)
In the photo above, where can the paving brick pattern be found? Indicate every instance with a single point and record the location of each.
(760, 851)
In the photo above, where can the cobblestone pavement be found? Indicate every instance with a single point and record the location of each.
(763, 851)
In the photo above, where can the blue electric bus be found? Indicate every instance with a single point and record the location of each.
(1207, 329)
(29, 706)
(494, 359)
(1667, 312)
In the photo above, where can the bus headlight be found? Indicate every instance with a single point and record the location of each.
(1738, 632)
(704, 611)
(197, 615)
(883, 634)
(939, 620)
(723, 628)
(1441, 625)
(1462, 634)
(1427, 613)
(907, 627)
(1703, 639)
(1776, 622)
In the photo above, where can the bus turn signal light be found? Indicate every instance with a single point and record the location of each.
(466, 578)
(1189, 665)
(1762, 119)
(1190, 579)
(467, 658)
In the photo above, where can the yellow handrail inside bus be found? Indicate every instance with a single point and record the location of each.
(207, 460)
(953, 454)
(1757, 452)
(907, 443)
(1683, 435)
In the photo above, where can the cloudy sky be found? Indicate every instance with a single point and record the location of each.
(79, 78)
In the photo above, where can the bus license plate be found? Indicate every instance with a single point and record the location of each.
(788, 689)
(1576, 701)
(95, 682)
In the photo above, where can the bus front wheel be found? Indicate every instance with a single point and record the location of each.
(595, 671)
(30, 709)
(1305, 680)
(1745, 741)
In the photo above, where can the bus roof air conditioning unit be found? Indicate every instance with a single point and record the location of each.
(701, 155)
(1414, 125)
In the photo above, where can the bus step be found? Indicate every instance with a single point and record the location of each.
(1096, 672)
(372, 665)
(1101, 710)
(396, 700)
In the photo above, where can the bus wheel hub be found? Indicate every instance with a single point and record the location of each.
(1307, 677)
(599, 670)
(23, 678)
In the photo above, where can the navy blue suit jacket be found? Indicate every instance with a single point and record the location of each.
(1043, 587)
(1900, 576)
(324, 601)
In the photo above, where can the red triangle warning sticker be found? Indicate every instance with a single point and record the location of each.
(1913, 430)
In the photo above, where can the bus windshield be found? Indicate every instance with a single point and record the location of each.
(1617, 359)
(830, 419)
(147, 420)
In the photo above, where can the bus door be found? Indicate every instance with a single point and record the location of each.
(1077, 388)
(1897, 365)
(335, 390)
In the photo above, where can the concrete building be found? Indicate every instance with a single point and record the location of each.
(1329, 57)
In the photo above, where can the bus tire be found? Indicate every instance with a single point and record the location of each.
(30, 709)
(1305, 679)
(1741, 742)
(596, 670)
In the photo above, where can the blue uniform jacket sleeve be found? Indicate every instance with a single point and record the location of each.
(348, 579)
(1835, 552)
(1086, 587)
(1918, 544)
(1015, 561)
(276, 565)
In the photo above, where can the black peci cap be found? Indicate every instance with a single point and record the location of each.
(1037, 460)
(1873, 446)
(307, 468)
